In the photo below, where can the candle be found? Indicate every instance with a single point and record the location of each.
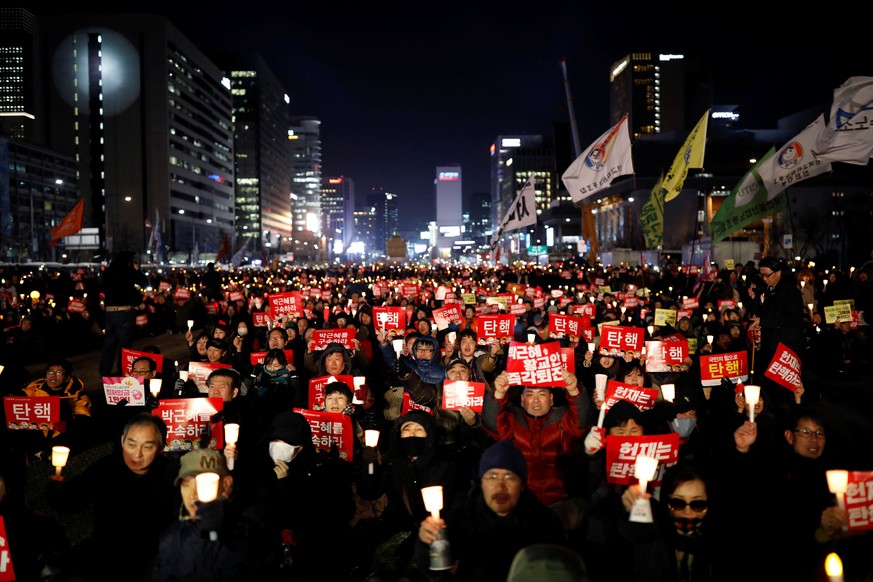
(371, 439)
(155, 386)
(752, 393)
(59, 458)
(433, 499)
(834, 568)
(650, 329)
(231, 436)
(398, 346)
(838, 484)
(183, 375)
(591, 347)
(709, 338)
(190, 324)
(207, 490)
(530, 338)
(668, 391)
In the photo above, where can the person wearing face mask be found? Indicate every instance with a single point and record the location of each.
(680, 544)
(413, 460)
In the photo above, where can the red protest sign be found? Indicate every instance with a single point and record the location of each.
(643, 398)
(187, 420)
(128, 356)
(410, 404)
(260, 319)
(691, 303)
(622, 453)
(618, 340)
(666, 356)
(561, 325)
(33, 412)
(859, 498)
(535, 364)
(198, 372)
(459, 393)
(182, 293)
(235, 296)
(494, 326)
(331, 429)
(290, 303)
(409, 291)
(316, 388)
(785, 368)
(726, 304)
(76, 305)
(7, 572)
(443, 316)
(586, 310)
(733, 365)
(389, 318)
(568, 359)
(343, 336)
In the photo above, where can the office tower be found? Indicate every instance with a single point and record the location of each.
(20, 81)
(338, 212)
(449, 212)
(148, 118)
(262, 161)
(385, 217)
(304, 135)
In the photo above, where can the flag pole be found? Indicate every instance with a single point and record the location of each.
(589, 230)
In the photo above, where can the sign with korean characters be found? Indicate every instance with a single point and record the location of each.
(494, 326)
(316, 388)
(665, 317)
(618, 340)
(561, 325)
(126, 388)
(331, 429)
(198, 372)
(785, 368)
(7, 572)
(732, 365)
(443, 316)
(290, 303)
(666, 356)
(859, 499)
(643, 398)
(622, 453)
(535, 364)
(457, 394)
(344, 336)
(128, 356)
(189, 421)
(33, 412)
(389, 318)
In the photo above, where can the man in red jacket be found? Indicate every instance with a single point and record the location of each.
(545, 434)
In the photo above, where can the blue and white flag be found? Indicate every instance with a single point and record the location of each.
(848, 137)
(604, 160)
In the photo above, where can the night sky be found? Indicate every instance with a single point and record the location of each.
(404, 87)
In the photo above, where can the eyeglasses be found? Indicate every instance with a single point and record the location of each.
(140, 371)
(767, 275)
(424, 349)
(54, 373)
(496, 477)
(677, 504)
(808, 433)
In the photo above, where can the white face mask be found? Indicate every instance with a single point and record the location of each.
(241, 331)
(282, 451)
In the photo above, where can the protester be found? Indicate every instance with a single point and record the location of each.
(123, 288)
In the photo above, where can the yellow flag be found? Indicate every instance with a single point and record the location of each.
(690, 156)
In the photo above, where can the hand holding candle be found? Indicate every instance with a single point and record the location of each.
(644, 469)
(838, 484)
(600, 393)
(433, 500)
(207, 491)
(668, 391)
(190, 324)
(231, 436)
(155, 386)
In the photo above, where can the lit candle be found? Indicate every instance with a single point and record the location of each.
(650, 329)
(752, 393)
(371, 439)
(398, 346)
(668, 391)
(433, 500)
(231, 436)
(530, 338)
(591, 347)
(838, 484)
(155, 386)
(207, 490)
(190, 324)
(709, 338)
(834, 568)
(59, 458)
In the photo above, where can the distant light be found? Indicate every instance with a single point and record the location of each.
(510, 142)
(181, 211)
(127, 198)
(669, 57)
(216, 178)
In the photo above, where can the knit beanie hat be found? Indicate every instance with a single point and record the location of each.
(503, 455)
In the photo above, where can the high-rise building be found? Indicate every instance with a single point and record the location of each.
(660, 93)
(449, 207)
(304, 135)
(261, 153)
(338, 213)
(385, 217)
(20, 79)
(147, 116)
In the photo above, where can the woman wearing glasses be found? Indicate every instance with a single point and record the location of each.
(679, 544)
(776, 312)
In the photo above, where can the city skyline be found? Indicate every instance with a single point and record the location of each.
(399, 94)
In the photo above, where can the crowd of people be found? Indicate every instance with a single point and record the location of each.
(527, 474)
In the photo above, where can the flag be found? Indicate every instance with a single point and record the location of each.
(522, 213)
(848, 137)
(652, 217)
(707, 273)
(746, 203)
(795, 161)
(195, 254)
(607, 158)
(223, 250)
(690, 156)
(237, 258)
(71, 223)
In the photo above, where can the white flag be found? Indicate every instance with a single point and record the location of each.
(607, 158)
(849, 134)
(794, 162)
(523, 211)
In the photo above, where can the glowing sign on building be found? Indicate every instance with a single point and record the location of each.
(510, 142)
(449, 176)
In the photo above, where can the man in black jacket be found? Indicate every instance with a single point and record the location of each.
(123, 288)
